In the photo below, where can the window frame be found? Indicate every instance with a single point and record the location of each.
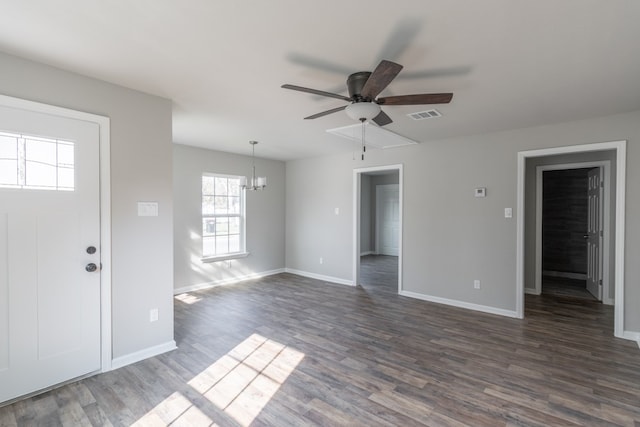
(242, 253)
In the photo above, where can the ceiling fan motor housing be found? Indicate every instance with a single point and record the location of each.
(355, 83)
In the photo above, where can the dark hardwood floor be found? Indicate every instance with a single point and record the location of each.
(563, 287)
(379, 273)
(288, 350)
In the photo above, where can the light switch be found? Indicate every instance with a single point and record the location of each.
(337, 211)
(147, 208)
(508, 212)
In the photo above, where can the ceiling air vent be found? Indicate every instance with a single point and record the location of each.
(421, 115)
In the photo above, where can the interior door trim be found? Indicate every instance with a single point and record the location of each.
(620, 148)
(357, 187)
(105, 207)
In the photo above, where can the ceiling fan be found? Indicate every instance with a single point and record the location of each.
(364, 87)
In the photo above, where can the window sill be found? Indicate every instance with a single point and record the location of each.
(224, 257)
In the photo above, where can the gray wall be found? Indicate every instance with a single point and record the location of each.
(367, 244)
(265, 216)
(451, 238)
(141, 151)
(313, 230)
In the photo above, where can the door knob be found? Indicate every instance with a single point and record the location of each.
(91, 250)
(91, 267)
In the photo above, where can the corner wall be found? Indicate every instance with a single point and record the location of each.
(265, 218)
(142, 247)
(451, 238)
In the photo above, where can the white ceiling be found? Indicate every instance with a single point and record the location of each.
(510, 63)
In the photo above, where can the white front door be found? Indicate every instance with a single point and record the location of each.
(49, 225)
(387, 219)
(594, 234)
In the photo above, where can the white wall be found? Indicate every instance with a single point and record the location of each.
(265, 218)
(142, 248)
(451, 238)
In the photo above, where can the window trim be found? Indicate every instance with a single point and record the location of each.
(227, 257)
(242, 253)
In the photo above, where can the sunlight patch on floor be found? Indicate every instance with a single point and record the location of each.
(240, 383)
(187, 298)
(176, 410)
(243, 381)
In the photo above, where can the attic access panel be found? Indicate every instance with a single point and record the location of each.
(375, 136)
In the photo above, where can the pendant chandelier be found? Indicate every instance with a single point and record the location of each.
(255, 182)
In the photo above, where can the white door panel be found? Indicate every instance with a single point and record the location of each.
(49, 303)
(387, 219)
(594, 234)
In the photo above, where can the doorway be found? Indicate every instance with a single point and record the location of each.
(573, 230)
(377, 257)
(51, 225)
(528, 265)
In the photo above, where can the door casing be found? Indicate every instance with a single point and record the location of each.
(357, 178)
(620, 148)
(105, 208)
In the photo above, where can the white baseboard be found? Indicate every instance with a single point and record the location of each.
(227, 281)
(531, 291)
(633, 336)
(461, 304)
(320, 277)
(367, 253)
(564, 274)
(128, 359)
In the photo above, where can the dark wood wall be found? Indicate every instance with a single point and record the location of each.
(564, 221)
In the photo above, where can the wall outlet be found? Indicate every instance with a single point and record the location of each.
(321, 260)
(153, 315)
(476, 284)
(508, 213)
(337, 211)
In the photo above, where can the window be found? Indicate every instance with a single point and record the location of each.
(223, 222)
(30, 162)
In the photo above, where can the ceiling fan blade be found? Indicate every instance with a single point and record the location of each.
(435, 73)
(402, 36)
(316, 92)
(382, 119)
(384, 73)
(417, 99)
(325, 113)
(317, 63)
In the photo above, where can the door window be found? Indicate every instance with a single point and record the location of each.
(31, 162)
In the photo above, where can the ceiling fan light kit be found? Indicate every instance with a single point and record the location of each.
(362, 110)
